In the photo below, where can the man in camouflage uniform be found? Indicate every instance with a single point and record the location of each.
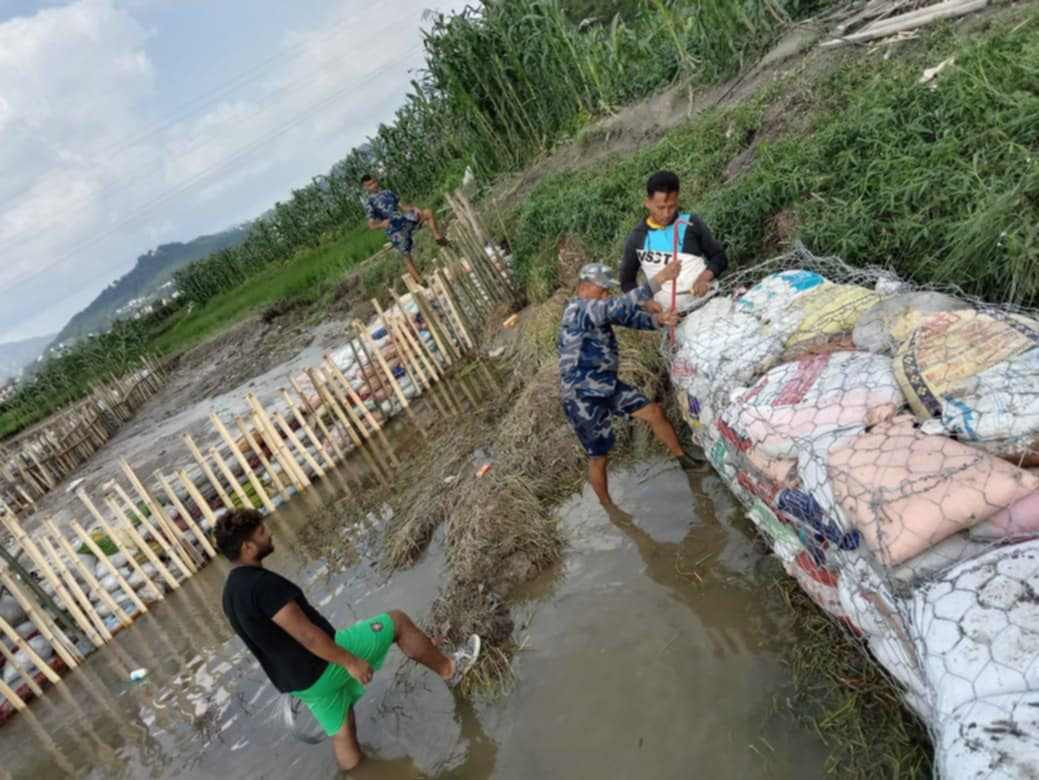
(588, 360)
(385, 212)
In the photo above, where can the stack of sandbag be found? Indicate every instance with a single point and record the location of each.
(880, 439)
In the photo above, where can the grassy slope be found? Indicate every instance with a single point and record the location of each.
(305, 278)
(942, 185)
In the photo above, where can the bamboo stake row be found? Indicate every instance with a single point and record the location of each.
(278, 451)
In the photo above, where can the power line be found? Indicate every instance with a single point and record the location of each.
(227, 163)
(185, 110)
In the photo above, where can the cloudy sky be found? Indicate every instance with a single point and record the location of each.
(129, 123)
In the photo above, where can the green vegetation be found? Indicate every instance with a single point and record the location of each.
(305, 277)
(942, 185)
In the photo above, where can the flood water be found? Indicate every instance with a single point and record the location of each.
(632, 665)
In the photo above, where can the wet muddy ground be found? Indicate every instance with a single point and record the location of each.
(214, 377)
(651, 651)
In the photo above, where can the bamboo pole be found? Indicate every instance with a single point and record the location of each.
(161, 518)
(38, 559)
(352, 398)
(371, 368)
(243, 462)
(291, 437)
(144, 547)
(27, 678)
(170, 547)
(25, 647)
(110, 532)
(295, 471)
(197, 455)
(189, 521)
(92, 582)
(76, 601)
(464, 337)
(347, 421)
(61, 644)
(225, 470)
(16, 701)
(388, 372)
(444, 348)
(316, 413)
(307, 430)
(82, 610)
(105, 561)
(202, 504)
(243, 428)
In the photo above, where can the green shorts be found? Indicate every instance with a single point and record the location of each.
(335, 692)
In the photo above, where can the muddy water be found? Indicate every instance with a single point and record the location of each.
(650, 652)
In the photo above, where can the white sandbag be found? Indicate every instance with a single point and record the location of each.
(11, 611)
(42, 647)
(11, 675)
(722, 348)
(994, 738)
(117, 560)
(998, 409)
(782, 538)
(1018, 521)
(906, 491)
(883, 327)
(109, 583)
(977, 627)
(883, 617)
(88, 561)
(796, 402)
(25, 629)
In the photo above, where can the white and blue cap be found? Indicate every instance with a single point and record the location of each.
(599, 274)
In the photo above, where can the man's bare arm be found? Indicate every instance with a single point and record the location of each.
(297, 625)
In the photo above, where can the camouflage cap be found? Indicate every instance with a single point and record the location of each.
(599, 274)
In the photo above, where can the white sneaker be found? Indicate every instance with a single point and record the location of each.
(464, 659)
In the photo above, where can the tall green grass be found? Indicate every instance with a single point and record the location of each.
(941, 185)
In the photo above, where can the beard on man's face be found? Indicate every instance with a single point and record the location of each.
(266, 550)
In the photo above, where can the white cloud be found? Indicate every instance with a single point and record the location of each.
(77, 204)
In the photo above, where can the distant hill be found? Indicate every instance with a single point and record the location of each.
(15, 355)
(151, 271)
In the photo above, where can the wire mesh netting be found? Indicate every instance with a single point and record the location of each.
(884, 438)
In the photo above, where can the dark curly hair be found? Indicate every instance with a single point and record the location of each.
(233, 529)
(662, 181)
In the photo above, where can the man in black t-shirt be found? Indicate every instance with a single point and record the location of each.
(298, 648)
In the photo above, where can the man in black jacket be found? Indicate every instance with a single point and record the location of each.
(651, 246)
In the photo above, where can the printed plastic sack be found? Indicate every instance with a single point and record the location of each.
(1019, 520)
(820, 584)
(958, 617)
(950, 348)
(799, 401)
(906, 491)
(770, 299)
(941, 557)
(782, 537)
(829, 311)
(997, 408)
(883, 327)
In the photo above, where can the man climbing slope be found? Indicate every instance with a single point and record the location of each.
(298, 648)
(400, 221)
(588, 360)
(650, 246)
